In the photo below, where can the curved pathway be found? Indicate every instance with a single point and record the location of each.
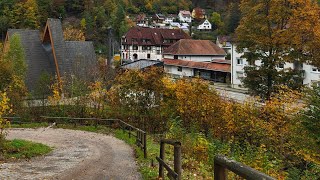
(76, 155)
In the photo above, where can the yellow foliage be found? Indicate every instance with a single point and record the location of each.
(4, 109)
(73, 34)
(55, 98)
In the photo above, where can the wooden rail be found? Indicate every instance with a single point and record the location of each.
(172, 174)
(13, 120)
(222, 163)
(141, 136)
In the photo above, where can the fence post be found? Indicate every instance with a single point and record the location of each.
(161, 172)
(96, 122)
(129, 132)
(220, 172)
(145, 144)
(177, 160)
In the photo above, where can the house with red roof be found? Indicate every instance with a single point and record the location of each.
(148, 43)
(203, 58)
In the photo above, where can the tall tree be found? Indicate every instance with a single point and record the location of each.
(15, 58)
(276, 32)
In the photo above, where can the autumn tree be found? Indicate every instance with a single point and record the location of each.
(215, 20)
(137, 95)
(277, 32)
(73, 34)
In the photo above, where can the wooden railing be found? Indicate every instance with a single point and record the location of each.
(13, 120)
(172, 174)
(222, 164)
(141, 136)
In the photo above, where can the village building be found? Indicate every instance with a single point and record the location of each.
(158, 18)
(204, 25)
(185, 16)
(170, 18)
(142, 20)
(203, 58)
(148, 43)
(142, 64)
(310, 74)
(52, 54)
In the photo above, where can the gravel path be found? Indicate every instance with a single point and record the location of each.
(76, 155)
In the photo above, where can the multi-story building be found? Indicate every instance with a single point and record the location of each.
(189, 58)
(148, 43)
(311, 75)
(185, 16)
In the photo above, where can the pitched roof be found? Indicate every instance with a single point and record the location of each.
(185, 13)
(155, 35)
(142, 64)
(80, 59)
(212, 66)
(54, 55)
(194, 47)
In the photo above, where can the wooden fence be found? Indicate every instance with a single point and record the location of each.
(222, 164)
(141, 136)
(172, 174)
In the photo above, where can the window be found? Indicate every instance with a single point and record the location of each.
(148, 56)
(135, 47)
(134, 40)
(175, 57)
(158, 51)
(314, 69)
(179, 69)
(240, 75)
(239, 61)
(146, 47)
(281, 65)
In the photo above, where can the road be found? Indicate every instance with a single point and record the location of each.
(76, 155)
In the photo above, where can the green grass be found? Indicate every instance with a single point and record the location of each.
(30, 125)
(18, 149)
(148, 167)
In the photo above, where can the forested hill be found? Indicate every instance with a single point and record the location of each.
(94, 17)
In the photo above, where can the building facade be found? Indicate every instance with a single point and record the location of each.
(203, 58)
(205, 25)
(148, 43)
(311, 74)
(185, 16)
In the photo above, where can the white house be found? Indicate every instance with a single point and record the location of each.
(311, 74)
(148, 43)
(170, 18)
(185, 16)
(174, 25)
(205, 25)
(191, 58)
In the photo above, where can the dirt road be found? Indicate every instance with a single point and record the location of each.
(76, 155)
